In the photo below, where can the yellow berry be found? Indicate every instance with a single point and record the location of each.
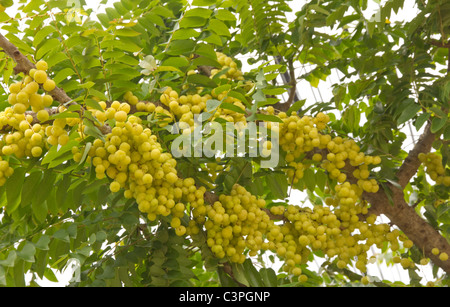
(42, 65)
(40, 76)
(114, 186)
(435, 251)
(36, 151)
(365, 280)
(121, 116)
(49, 85)
(43, 116)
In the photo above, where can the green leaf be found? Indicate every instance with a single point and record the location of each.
(43, 242)
(192, 22)
(409, 111)
(310, 179)
(232, 107)
(85, 153)
(184, 33)
(240, 97)
(10, 260)
(32, 183)
(269, 118)
(39, 206)
(269, 277)
(207, 51)
(201, 80)
(203, 2)
(62, 234)
(19, 274)
(63, 75)
(42, 34)
(225, 279)
(14, 186)
(40, 210)
(127, 32)
(48, 46)
(225, 15)
(277, 184)
(198, 12)
(167, 68)
(421, 119)
(212, 104)
(252, 274)
(181, 47)
(296, 106)
(437, 124)
(27, 252)
(239, 274)
(219, 27)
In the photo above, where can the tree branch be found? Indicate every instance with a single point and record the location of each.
(439, 44)
(288, 79)
(411, 164)
(424, 236)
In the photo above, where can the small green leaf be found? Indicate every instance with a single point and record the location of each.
(225, 15)
(437, 124)
(62, 234)
(27, 252)
(48, 46)
(201, 80)
(219, 27)
(203, 2)
(240, 97)
(14, 186)
(409, 112)
(310, 179)
(85, 153)
(181, 47)
(43, 242)
(252, 274)
(296, 106)
(212, 104)
(10, 260)
(269, 118)
(269, 277)
(232, 107)
(277, 184)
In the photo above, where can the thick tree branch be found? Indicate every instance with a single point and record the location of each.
(23, 64)
(411, 164)
(424, 236)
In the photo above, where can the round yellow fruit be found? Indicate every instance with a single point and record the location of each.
(42, 65)
(40, 76)
(49, 85)
(114, 186)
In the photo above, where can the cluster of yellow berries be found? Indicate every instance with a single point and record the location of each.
(233, 224)
(434, 168)
(183, 108)
(300, 135)
(228, 64)
(28, 135)
(134, 160)
(332, 232)
(227, 114)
